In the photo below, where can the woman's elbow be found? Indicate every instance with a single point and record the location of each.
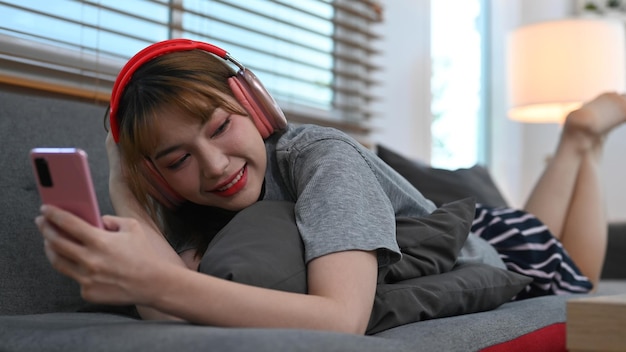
(351, 324)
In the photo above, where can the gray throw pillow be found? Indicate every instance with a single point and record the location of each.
(430, 244)
(442, 186)
(260, 246)
(468, 288)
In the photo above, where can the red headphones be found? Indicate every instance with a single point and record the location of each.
(246, 87)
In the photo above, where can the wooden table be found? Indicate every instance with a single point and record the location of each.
(596, 323)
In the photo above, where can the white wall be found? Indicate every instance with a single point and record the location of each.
(518, 151)
(405, 80)
(506, 136)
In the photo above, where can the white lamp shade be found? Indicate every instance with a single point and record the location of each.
(554, 67)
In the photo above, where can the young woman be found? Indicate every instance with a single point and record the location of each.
(192, 143)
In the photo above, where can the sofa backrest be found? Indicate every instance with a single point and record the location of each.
(28, 284)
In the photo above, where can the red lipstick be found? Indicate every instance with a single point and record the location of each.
(233, 185)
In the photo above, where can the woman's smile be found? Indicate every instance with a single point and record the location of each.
(233, 185)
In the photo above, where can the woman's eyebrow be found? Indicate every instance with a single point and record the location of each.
(165, 151)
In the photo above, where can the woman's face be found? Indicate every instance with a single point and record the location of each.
(219, 163)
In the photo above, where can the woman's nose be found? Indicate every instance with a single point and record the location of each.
(213, 162)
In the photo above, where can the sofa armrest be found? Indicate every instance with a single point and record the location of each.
(615, 263)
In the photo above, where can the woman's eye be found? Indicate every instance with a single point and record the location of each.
(178, 162)
(221, 128)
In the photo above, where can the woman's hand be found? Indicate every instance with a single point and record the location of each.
(112, 266)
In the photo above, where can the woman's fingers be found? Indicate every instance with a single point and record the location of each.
(61, 251)
(72, 245)
(99, 260)
(62, 264)
(112, 265)
(53, 237)
(111, 223)
(70, 224)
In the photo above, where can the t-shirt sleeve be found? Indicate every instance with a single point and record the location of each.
(340, 203)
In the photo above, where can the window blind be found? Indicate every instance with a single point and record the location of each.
(314, 56)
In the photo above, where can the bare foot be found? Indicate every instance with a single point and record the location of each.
(600, 115)
(588, 126)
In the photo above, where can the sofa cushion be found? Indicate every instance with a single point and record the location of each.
(474, 332)
(443, 186)
(107, 332)
(68, 332)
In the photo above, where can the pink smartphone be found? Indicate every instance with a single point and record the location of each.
(64, 180)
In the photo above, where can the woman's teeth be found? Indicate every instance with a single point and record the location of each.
(231, 183)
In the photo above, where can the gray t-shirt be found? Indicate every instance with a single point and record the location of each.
(346, 198)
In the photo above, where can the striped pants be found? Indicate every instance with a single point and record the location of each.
(527, 247)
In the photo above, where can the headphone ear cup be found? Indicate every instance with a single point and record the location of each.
(247, 100)
(158, 188)
(273, 113)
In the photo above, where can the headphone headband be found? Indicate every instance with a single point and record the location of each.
(151, 52)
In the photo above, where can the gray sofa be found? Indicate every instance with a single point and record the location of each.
(40, 310)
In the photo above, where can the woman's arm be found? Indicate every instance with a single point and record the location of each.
(342, 286)
(119, 267)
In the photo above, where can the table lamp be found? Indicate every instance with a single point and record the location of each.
(554, 67)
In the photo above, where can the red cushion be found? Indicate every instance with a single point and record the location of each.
(547, 339)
